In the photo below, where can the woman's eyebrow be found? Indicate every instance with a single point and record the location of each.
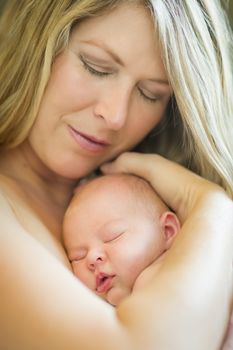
(160, 81)
(103, 46)
(117, 59)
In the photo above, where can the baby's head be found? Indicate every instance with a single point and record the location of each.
(114, 228)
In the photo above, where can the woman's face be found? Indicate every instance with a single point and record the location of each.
(106, 91)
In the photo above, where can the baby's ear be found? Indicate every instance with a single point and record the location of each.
(170, 226)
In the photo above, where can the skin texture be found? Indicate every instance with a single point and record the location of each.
(109, 108)
(43, 305)
(112, 100)
(109, 245)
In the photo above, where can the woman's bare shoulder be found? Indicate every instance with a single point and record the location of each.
(10, 195)
(13, 206)
(6, 209)
(17, 218)
(43, 306)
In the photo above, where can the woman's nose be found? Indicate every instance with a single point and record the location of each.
(95, 258)
(113, 108)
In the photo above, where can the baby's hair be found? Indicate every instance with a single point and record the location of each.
(146, 197)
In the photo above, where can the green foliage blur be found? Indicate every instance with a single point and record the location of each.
(2, 2)
(231, 12)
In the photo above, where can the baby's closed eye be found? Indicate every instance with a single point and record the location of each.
(77, 254)
(112, 236)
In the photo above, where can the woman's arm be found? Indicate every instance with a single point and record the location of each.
(198, 267)
(43, 306)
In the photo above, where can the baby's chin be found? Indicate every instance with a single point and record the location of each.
(116, 295)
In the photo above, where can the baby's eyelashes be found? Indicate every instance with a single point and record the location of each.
(113, 236)
(112, 230)
(77, 254)
(105, 237)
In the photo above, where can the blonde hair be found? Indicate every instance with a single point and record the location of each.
(196, 48)
(196, 44)
(32, 33)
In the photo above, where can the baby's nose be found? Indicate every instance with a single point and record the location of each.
(95, 258)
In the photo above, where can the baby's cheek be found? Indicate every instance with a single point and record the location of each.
(76, 268)
(82, 274)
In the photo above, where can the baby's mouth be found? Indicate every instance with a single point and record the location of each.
(103, 282)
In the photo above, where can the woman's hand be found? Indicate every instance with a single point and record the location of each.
(178, 187)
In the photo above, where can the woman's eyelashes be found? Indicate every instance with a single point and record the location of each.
(103, 73)
(98, 71)
(146, 97)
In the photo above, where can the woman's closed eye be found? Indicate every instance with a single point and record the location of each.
(104, 72)
(147, 97)
(95, 69)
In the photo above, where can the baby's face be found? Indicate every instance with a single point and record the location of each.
(110, 240)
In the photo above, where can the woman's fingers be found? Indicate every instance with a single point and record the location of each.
(125, 163)
(177, 186)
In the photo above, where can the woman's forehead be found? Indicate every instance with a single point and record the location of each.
(127, 32)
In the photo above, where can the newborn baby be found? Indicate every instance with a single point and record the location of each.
(115, 227)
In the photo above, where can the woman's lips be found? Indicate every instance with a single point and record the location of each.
(87, 142)
(103, 282)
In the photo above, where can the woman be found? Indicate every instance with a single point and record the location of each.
(82, 82)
